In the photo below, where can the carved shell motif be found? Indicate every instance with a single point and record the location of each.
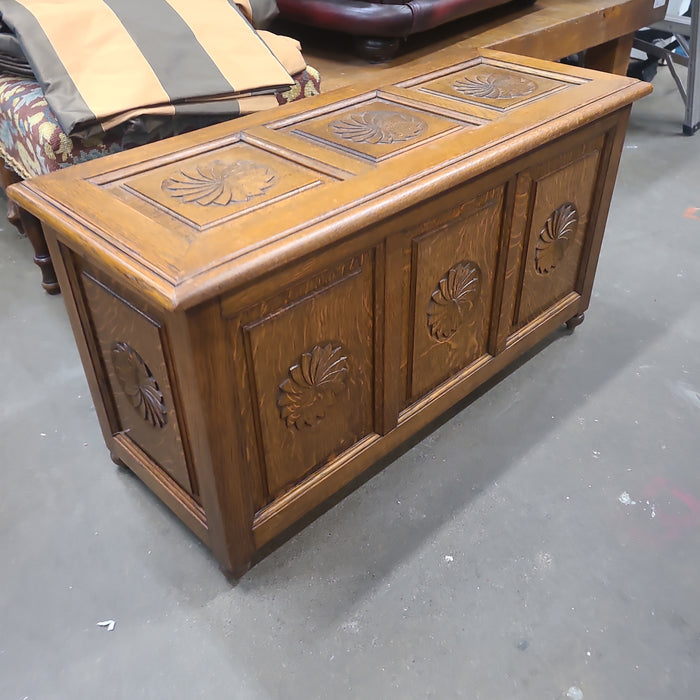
(555, 237)
(495, 86)
(221, 183)
(313, 386)
(378, 126)
(139, 384)
(454, 297)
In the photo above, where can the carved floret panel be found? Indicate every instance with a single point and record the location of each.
(453, 299)
(205, 190)
(139, 384)
(378, 126)
(555, 237)
(375, 129)
(491, 85)
(496, 86)
(220, 182)
(313, 386)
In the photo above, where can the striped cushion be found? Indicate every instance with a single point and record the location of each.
(101, 62)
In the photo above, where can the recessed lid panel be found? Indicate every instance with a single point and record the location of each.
(376, 129)
(492, 84)
(207, 190)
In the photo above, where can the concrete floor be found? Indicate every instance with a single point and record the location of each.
(542, 543)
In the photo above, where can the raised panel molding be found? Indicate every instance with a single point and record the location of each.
(307, 358)
(452, 280)
(132, 352)
(494, 85)
(207, 190)
(378, 128)
(559, 213)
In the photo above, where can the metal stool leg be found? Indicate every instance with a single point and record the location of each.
(687, 33)
(692, 103)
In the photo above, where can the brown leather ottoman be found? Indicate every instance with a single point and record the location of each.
(266, 307)
(378, 26)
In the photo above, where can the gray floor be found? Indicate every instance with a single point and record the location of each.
(544, 542)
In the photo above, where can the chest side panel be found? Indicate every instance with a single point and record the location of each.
(132, 349)
(453, 271)
(306, 370)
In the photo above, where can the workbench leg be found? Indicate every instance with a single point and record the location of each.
(9, 177)
(612, 56)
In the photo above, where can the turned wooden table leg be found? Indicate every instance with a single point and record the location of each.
(29, 226)
(13, 215)
(612, 56)
(32, 229)
(9, 177)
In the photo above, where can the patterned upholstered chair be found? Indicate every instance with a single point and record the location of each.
(33, 143)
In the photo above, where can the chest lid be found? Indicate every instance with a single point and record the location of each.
(212, 209)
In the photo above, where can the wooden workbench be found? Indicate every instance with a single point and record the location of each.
(549, 29)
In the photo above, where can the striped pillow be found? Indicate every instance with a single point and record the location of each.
(102, 62)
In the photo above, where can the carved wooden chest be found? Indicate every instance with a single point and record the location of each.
(266, 307)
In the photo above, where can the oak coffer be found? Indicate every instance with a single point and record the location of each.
(266, 307)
